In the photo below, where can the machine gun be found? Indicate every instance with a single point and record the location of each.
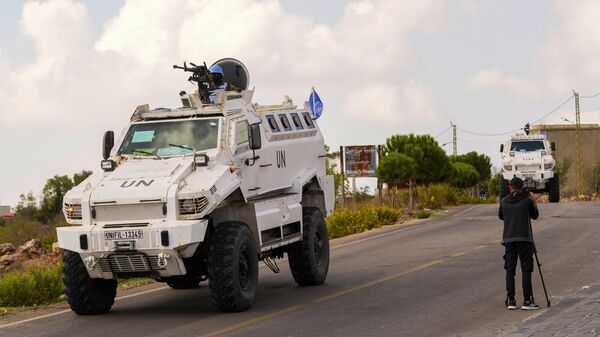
(202, 76)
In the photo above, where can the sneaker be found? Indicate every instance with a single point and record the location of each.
(530, 305)
(511, 304)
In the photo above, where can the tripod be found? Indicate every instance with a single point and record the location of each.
(539, 265)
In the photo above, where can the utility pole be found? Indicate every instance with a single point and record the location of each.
(579, 145)
(454, 152)
(342, 168)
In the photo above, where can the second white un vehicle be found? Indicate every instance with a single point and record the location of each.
(201, 192)
(529, 157)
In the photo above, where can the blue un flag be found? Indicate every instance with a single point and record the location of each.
(315, 103)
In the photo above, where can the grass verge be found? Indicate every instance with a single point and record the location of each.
(33, 287)
(346, 222)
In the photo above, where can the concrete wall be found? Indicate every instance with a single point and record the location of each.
(4, 210)
(564, 137)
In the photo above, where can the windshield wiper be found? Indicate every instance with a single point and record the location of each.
(148, 153)
(183, 147)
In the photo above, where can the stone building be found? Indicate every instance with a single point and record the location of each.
(564, 135)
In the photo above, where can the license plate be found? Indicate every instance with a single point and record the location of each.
(120, 235)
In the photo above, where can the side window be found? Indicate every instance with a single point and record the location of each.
(308, 120)
(285, 122)
(297, 121)
(272, 123)
(241, 132)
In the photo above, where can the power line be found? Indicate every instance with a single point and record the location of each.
(480, 142)
(488, 134)
(590, 96)
(555, 109)
(446, 130)
(515, 130)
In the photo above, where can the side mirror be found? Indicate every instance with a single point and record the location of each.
(254, 136)
(553, 146)
(501, 148)
(107, 144)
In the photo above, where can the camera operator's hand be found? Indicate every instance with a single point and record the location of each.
(533, 198)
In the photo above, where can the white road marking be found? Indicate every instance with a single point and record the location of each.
(69, 310)
(166, 287)
(396, 231)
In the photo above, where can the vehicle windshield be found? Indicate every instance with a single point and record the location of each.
(171, 138)
(527, 146)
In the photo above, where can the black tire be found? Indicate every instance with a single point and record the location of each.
(232, 267)
(86, 295)
(309, 258)
(503, 187)
(183, 282)
(554, 189)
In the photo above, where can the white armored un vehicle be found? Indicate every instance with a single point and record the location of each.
(529, 157)
(201, 192)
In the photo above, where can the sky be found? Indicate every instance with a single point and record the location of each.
(70, 70)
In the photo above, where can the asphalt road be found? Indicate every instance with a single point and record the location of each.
(437, 278)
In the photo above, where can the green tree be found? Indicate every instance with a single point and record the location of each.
(81, 176)
(480, 162)
(52, 196)
(464, 175)
(494, 185)
(432, 164)
(562, 169)
(27, 207)
(396, 169)
(331, 168)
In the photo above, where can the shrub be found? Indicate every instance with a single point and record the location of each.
(35, 286)
(440, 195)
(20, 231)
(345, 222)
(423, 214)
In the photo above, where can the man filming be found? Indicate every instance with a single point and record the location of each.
(517, 209)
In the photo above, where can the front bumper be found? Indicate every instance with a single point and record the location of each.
(534, 179)
(149, 255)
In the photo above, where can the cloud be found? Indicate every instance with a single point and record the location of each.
(392, 105)
(79, 80)
(494, 78)
(470, 7)
(568, 59)
(81, 83)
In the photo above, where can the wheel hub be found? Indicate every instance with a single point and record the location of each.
(244, 268)
(318, 247)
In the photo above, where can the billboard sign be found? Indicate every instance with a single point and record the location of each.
(360, 161)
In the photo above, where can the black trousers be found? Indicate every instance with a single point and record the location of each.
(524, 252)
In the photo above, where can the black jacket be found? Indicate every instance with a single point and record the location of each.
(516, 209)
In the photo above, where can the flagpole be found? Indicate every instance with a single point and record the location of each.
(312, 98)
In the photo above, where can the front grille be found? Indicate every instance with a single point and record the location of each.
(130, 263)
(528, 167)
(72, 211)
(129, 212)
(193, 206)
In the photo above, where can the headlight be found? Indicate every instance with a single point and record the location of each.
(201, 160)
(189, 208)
(547, 166)
(72, 211)
(507, 167)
